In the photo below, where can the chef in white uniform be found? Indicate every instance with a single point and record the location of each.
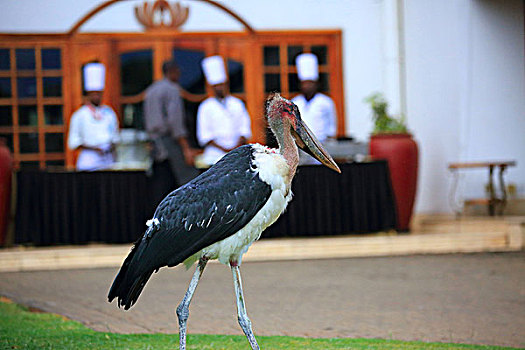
(94, 127)
(223, 122)
(317, 109)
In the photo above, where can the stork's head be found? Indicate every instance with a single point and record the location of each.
(284, 117)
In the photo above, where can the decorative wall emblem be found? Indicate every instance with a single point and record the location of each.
(161, 15)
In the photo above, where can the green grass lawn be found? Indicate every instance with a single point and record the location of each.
(22, 329)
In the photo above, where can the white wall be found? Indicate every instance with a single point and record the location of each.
(496, 115)
(465, 79)
(465, 91)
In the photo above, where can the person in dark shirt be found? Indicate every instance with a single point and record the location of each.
(164, 122)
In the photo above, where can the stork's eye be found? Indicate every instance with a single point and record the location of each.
(289, 108)
(296, 111)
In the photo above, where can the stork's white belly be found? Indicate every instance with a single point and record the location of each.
(273, 170)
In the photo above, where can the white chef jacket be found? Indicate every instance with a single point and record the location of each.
(223, 121)
(93, 127)
(319, 114)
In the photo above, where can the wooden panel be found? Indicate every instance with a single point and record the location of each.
(7, 101)
(53, 128)
(54, 156)
(31, 73)
(14, 94)
(283, 59)
(57, 100)
(337, 83)
(67, 83)
(27, 129)
(112, 89)
(268, 35)
(125, 46)
(36, 156)
(26, 101)
(29, 157)
(40, 106)
(52, 73)
(255, 93)
(158, 59)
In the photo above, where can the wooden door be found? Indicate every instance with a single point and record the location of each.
(135, 70)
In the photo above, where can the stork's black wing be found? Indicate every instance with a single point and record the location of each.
(206, 210)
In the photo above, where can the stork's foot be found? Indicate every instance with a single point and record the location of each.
(182, 314)
(242, 316)
(183, 310)
(246, 326)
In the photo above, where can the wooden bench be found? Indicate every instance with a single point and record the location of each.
(493, 201)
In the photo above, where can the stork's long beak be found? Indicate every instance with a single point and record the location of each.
(306, 140)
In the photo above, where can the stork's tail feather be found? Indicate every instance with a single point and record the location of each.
(128, 284)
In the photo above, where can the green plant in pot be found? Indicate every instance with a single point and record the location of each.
(383, 123)
(391, 140)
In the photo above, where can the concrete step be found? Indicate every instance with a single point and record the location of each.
(501, 239)
(465, 224)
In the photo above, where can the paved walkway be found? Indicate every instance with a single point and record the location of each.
(477, 298)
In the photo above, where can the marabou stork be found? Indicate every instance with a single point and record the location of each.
(219, 214)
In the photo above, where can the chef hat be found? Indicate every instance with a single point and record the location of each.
(94, 77)
(307, 67)
(214, 70)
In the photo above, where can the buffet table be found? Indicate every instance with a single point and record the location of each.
(113, 206)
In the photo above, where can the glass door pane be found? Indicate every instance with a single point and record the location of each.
(136, 74)
(192, 81)
(236, 76)
(136, 71)
(191, 76)
(5, 61)
(25, 59)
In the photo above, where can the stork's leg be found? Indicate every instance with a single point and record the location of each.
(242, 316)
(183, 310)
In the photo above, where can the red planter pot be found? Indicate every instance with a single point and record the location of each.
(401, 152)
(6, 171)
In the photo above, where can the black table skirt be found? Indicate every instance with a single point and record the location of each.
(359, 200)
(112, 207)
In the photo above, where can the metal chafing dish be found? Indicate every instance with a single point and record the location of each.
(133, 151)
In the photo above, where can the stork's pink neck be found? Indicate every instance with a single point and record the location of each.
(281, 124)
(289, 151)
